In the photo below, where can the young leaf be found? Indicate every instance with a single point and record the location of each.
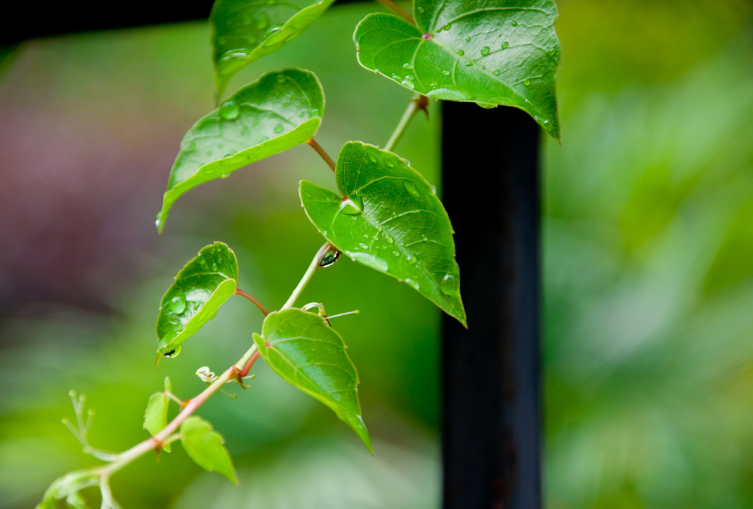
(204, 446)
(67, 487)
(245, 30)
(391, 221)
(155, 417)
(304, 350)
(279, 111)
(200, 288)
(492, 53)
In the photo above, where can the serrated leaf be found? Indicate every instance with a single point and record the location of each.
(305, 351)
(243, 31)
(155, 416)
(200, 288)
(205, 447)
(390, 220)
(503, 52)
(279, 111)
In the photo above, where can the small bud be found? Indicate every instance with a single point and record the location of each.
(206, 375)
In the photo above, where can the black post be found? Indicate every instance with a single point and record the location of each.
(491, 416)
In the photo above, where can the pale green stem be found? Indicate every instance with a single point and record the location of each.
(166, 435)
(307, 276)
(414, 106)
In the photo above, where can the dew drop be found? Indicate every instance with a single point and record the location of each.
(412, 283)
(411, 188)
(177, 305)
(262, 21)
(421, 10)
(395, 253)
(214, 266)
(390, 165)
(514, 23)
(461, 52)
(362, 245)
(229, 110)
(407, 84)
(467, 39)
(447, 26)
(485, 50)
(278, 128)
(408, 66)
(280, 78)
(411, 260)
(272, 30)
(450, 285)
(330, 257)
(446, 73)
(468, 64)
(505, 44)
(496, 72)
(263, 139)
(372, 158)
(352, 206)
(527, 82)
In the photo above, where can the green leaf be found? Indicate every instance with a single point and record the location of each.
(155, 417)
(279, 111)
(204, 446)
(67, 487)
(498, 53)
(200, 288)
(304, 350)
(391, 221)
(243, 31)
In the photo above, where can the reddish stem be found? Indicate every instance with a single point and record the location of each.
(250, 297)
(319, 150)
(244, 373)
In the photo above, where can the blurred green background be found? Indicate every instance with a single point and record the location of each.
(648, 276)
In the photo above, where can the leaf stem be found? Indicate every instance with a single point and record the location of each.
(416, 104)
(398, 10)
(307, 276)
(253, 299)
(167, 434)
(323, 153)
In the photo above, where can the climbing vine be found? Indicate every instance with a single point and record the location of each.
(384, 215)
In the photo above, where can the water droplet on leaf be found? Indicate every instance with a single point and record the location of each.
(411, 188)
(485, 50)
(362, 245)
(177, 305)
(229, 110)
(278, 128)
(514, 23)
(352, 205)
(450, 285)
(496, 72)
(505, 44)
(461, 52)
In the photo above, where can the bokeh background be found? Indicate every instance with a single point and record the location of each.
(648, 269)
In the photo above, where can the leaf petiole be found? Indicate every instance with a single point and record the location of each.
(253, 299)
(398, 10)
(416, 104)
(323, 153)
(315, 263)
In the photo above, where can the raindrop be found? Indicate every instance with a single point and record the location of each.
(485, 50)
(330, 257)
(192, 146)
(389, 164)
(411, 188)
(302, 114)
(272, 30)
(527, 82)
(421, 10)
(514, 23)
(352, 205)
(172, 353)
(177, 304)
(262, 21)
(411, 260)
(278, 128)
(468, 64)
(263, 139)
(467, 39)
(372, 158)
(280, 78)
(363, 246)
(214, 266)
(461, 52)
(229, 110)
(505, 44)
(407, 65)
(447, 26)
(395, 253)
(230, 154)
(496, 72)
(412, 283)
(389, 240)
(446, 73)
(224, 175)
(450, 285)
(407, 84)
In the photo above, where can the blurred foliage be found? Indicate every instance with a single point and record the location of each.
(648, 279)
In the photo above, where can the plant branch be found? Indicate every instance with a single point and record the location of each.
(308, 275)
(253, 299)
(323, 153)
(398, 10)
(416, 104)
(167, 434)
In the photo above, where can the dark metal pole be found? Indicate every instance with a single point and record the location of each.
(491, 416)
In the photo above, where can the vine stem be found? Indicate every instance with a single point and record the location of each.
(323, 153)
(398, 10)
(416, 104)
(253, 299)
(307, 276)
(166, 435)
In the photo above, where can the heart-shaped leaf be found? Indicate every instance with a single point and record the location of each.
(200, 288)
(503, 52)
(205, 447)
(279, 111)
(304, 350)
(245, 30)
(390, 220)
(155, 416)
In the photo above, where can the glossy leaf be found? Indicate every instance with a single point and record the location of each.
(155, 416)
(304, 350)
(245, 30)
(205, 447)
(200, 288)
(492, 53)
(390, 220)
(279, 111)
